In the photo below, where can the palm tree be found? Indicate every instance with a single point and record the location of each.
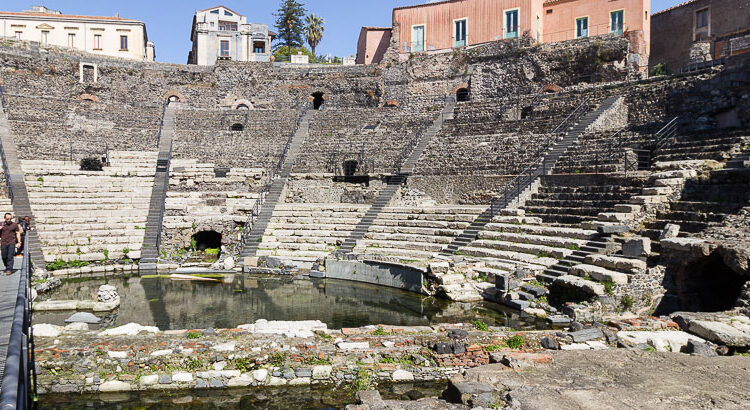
(314, 31)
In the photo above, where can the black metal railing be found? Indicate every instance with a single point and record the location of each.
(666, 135)
(161, 121)
(305, 108)
(163, 165)
(513, 189)
(19, 379)
(2, 98)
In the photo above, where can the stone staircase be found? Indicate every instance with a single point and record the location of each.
(272, 197)
(704, 203)
(91, 215)
(394, 183)
(154, 222)
(14, 175)
(715, 145)
(527, 184)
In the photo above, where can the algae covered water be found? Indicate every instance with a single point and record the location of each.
(241, 299)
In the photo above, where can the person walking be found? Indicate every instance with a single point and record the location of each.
(10, 240)
(25, 224)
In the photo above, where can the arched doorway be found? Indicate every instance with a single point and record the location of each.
(350, 167)
(462, 95)
(206, 240)
(173, 98)
(318, 99)
(237, 127)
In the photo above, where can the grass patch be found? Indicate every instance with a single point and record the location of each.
(515, 342)
(61, 264)
(194, 335)
(609, 287)
(212, 251)
(627, 302)
(481, 326)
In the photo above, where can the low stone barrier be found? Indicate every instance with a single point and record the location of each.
(377, 273)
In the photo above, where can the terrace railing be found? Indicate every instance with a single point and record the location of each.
(19, 377)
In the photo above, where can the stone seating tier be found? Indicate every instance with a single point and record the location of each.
(89, 215)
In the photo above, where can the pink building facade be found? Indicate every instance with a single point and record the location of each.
(459, 23)
(372, 45)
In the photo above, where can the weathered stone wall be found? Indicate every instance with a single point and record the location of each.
(320, 188)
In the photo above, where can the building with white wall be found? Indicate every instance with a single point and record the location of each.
(102, 35)
(221, 33)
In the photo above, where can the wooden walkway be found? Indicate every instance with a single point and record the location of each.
(8, 298)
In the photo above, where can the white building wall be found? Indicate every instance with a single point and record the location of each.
(84, 31)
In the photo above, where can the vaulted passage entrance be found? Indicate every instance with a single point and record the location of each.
(318, 100)
(206, 240)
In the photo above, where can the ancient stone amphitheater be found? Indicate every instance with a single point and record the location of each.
(553, 179)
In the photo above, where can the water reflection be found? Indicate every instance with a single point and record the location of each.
(243, 299)
(316, 397)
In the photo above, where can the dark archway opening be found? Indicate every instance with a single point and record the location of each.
(350, 167)
(706, 285)
(318, 100)
(173, 98)
(462, 95)
(526, 112)
(712, 286)
(204, 240)
(237, 127)
(243, 107)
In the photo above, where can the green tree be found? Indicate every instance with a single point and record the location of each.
(314, 31)
(289, 24)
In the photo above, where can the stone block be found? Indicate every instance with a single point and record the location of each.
(670, 231)
(585, 335)
(636, 247)
(321, 372)
(720, 333)
(516, 304)
(502, 282)
(83, 317)
(611, 229)
(114, 386)
(402, 376)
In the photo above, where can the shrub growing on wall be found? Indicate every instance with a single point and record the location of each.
(91, 164)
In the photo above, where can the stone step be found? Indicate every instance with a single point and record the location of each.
(508, 256)
(526, 238)
(395, 244)
(402, 254)
(533, 249)
(599, 274)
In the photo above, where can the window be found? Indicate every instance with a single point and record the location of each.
(459, 33)
(582, 27)
(123, 42)
(417, 38)
(225, 48)
(71, 40)
(701, 18)
(259, 48)
(214, 11)
(227, 26)
(211, 24)
(226, 13)
(97, 41)
(45, 37)
(511, 23)
(616, 21)
(18, 35)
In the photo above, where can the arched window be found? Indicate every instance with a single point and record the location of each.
(243, 107)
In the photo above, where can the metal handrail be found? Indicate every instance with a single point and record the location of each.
(161, 121)
(2, 98)
(666, 134)
(165, 188)
(537, 167)
(19, 379)
(285, 152)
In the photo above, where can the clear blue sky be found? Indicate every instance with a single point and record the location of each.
(168, 21)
